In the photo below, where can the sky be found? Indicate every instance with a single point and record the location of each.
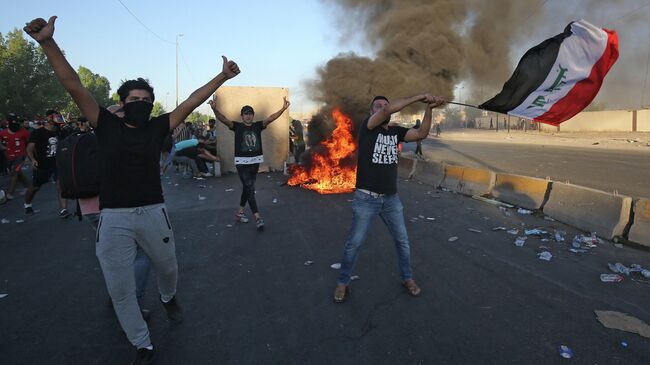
(282, 43)
(275, 43)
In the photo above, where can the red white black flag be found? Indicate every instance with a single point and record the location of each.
(558, 78)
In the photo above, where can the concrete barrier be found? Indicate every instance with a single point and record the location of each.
(429, 172)
(589, 209)
(526, 192)
(640, 230)
(468, 180)
(405, 167)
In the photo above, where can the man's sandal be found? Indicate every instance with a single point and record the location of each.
(341, 293)
(412, 288)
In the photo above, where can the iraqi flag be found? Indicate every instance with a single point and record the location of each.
(558, 78)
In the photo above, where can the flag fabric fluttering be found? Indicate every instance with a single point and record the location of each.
(558, 78)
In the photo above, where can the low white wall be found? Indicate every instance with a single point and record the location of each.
(643, 120)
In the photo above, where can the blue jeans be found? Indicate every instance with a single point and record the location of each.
(364, 208)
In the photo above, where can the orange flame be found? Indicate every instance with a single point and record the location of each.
(326, 174)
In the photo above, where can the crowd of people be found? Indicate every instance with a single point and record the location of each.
(128, 211)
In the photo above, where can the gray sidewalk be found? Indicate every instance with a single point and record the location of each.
(249, 298)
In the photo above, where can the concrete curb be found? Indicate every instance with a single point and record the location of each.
(429, 172)
(467, 180)
(589, 209)
(526, 192)
(640, 230)
(405, 167)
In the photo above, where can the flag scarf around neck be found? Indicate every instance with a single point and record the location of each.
(558, 78)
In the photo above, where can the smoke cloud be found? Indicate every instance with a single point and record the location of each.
(433, 45)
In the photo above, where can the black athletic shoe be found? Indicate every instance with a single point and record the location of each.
(174, 313)
(63, 213)
(29, 210)
(144, 356)
(259, 224)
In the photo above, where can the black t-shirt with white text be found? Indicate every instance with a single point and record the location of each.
(45, 142)
(248, 143)
(377, 158)
(130, 169)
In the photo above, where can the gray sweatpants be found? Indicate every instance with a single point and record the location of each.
(119, 233)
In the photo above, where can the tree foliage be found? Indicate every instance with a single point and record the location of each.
(197, 118)
(28, 85)
(157, 109)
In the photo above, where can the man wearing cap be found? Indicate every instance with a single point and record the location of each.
(376, 192)
(41, 149)
(248, 154)
(13, 141)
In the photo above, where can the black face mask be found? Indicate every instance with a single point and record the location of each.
(137, 113)
(14, 127)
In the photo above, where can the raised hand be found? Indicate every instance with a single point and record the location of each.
(230, 68)
(213, 102)
(40, 30)
(286, 103)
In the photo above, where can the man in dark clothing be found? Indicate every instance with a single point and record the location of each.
(41, 150)
(376, 192)
(296, 133)
(418, 143)
(131, 200)
(248, 154)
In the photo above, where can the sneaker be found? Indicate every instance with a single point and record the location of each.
(174, 312)
(9, 196)
(207, 174)
(63, 214)
(241, 217)
(259, 224)
(144, 356)
(29, 210)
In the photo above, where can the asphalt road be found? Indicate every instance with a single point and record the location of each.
(249, 298)
(627, 172)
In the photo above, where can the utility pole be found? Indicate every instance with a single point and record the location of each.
(177, 37)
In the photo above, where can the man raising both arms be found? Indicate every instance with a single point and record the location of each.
(131, 201)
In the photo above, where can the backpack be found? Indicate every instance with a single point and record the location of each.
(77, 162)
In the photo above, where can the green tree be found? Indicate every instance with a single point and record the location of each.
(98, 86)
(157, 109)
(27, 83)
(197, 118)
(115, 98)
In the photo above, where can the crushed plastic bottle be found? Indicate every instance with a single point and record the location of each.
(559, 236)
(513, 231)
(524, 211)
(619, 268)
(336, 266)
(611, 278)
(534, 232)
(565, 351)
(452, 239)
(545, 256)
(499, 228)
(474, 230)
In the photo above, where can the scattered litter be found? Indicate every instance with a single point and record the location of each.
(230, 189)
(474, 230)
(623, 322)
(618, 245)
(199, 178)
(499, 228)
(505, 211)
(576, 250)
(641, 270)
(203, 186)
(623, 343)
(431, 219)
(413, 220)
(444, 189)
(308, 262)
(210, 225)
(336, 266)
(229, 225)
(354, 277)
(547, 218)
(421, 216)
(559, 236)
(619, 268)
(20, 220)
(587, 241)
(201, 197)
(565, 351)
(275, 200)
(524, 211)
(3, 296)
(513, 231)
(5, 221)
(492, 201)
(452, 239)
(520, 241)
(546, 256)
(176, 184)
(534, 232)
(611, 278)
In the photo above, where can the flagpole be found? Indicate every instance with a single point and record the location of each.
(461, 104)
